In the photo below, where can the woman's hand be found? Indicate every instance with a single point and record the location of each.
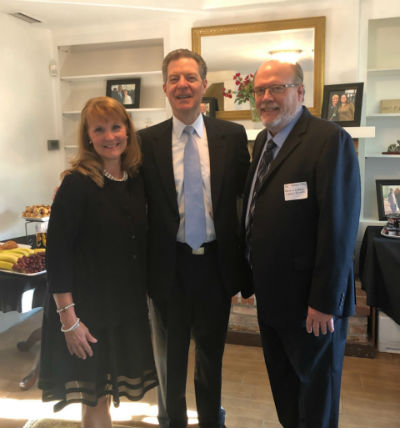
(78, 341)
(78, 338)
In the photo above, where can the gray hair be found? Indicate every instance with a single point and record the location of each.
(298, 74)
(184, 53)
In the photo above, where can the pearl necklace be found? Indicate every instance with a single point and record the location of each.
(111, 177)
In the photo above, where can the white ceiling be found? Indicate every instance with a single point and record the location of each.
(69, 13)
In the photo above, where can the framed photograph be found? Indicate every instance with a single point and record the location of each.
(126, 91)
(209, 105)
(388, 193)
(342, 103)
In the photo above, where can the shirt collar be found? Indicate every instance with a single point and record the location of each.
(281, 136)
(179, 126)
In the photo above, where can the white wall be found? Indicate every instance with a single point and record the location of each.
(28, 172)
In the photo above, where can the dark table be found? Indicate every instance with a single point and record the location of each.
(379, 270)
(12, 287)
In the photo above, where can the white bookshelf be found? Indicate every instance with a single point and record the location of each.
(382, 83)
(85, 70)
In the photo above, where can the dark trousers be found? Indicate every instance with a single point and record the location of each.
(198, 307)
(305, 373)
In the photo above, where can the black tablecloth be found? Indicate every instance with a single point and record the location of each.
(13, 286)
(379, 271)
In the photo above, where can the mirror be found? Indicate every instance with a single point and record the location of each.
(229, 49)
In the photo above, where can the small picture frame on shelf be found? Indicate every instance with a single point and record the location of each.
(388, 194)
(389, 106)
(126, 91)
(209, 105)
(342, 103)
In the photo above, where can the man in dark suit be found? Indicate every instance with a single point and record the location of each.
(191, 284)
(118, 94)
(301, 207)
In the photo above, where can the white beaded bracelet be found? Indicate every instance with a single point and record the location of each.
(64, 308)
(73, 327)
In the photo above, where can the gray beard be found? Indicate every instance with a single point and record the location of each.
(279, 123)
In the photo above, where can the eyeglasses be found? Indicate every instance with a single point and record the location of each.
(274, 89)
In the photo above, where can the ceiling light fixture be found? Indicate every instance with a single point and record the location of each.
(279, 51)
(286, 55)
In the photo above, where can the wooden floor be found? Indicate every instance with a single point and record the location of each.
(370, 389)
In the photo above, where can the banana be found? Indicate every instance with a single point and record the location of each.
(39, 250)
(10, 258)
(22, 251)
(6, 265)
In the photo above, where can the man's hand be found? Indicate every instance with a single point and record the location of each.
(317, 321)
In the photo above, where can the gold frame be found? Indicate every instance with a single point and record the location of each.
(318, 23)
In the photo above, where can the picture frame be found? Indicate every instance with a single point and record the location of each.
(126, 91)
(342, 103)
(209, 106)
(388, 195)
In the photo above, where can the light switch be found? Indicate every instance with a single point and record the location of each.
(53, 144)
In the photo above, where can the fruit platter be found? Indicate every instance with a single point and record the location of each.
(19, 259)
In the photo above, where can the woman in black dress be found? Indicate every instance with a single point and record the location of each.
(96, 342)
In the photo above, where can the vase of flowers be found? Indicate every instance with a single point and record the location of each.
(243, 93)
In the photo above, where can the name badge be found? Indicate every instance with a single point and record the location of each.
(295, 191)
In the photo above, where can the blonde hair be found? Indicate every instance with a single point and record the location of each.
(87, 161)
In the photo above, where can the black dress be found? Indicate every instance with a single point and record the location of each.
(96, 249)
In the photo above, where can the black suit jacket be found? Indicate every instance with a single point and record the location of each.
(303, 249)
(229, 161)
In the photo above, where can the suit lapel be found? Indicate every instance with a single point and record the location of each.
(162, 149)
(216, 147)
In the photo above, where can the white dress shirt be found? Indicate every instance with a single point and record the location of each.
(179, 139)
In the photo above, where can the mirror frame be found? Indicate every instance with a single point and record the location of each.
(318, 23)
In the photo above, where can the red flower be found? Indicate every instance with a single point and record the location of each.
(244, 90)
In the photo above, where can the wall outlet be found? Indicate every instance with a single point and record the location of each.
(53, 144)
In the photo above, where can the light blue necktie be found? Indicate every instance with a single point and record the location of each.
(195, 218)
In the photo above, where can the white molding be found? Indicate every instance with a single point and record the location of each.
(361, 131)
(110, 76)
